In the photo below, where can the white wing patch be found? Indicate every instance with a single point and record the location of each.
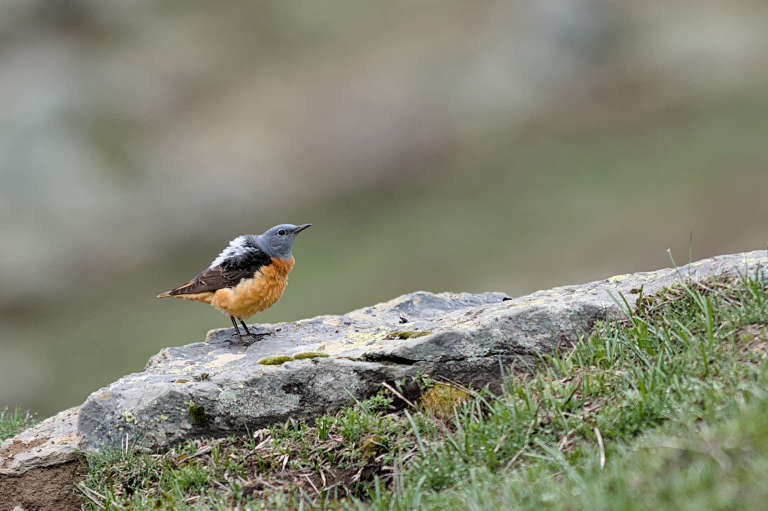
(235, 248)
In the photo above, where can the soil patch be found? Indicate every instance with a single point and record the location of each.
(43, 489)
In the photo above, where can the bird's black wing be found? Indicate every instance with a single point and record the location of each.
(227, 274)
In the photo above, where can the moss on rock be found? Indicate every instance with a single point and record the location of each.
(276, 360)
(309, 354)
(197, 415)
(406, 334)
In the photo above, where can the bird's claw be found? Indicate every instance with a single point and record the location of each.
(241, 339)
(259, 336)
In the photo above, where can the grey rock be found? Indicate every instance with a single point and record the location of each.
(217, 387)
(52, 442)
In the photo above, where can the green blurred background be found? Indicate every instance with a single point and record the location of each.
(439, 145)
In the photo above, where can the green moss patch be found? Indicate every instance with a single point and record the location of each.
(406, 334)
(282, 359)
(309, 354)
(441, 399)
(197, 415)
(276, 360)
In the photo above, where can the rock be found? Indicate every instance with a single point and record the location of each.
(52, 442)
(305, 368)
(216, 387)
(38, 466)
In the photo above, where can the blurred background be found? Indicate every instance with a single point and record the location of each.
(438, 145)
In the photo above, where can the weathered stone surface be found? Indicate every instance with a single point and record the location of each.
(52, 442)
(217, 387)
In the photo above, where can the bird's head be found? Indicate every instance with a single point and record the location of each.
(278, 240)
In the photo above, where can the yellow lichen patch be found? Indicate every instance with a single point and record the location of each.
(441, 399)
(224, 359)
(365, 336)
(351, 340)
(128, 417)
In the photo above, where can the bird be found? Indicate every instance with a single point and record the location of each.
(247, 277)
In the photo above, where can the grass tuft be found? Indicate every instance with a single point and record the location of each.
(13, 422)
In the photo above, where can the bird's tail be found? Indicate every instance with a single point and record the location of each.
(179, 290)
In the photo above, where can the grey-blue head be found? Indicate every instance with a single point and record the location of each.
(278, 240)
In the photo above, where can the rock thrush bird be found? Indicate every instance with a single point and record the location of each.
(247, 277)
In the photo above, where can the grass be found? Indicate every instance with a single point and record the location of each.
(666, 410)
(14, 421)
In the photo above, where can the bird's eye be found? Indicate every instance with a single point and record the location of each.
(281, 232)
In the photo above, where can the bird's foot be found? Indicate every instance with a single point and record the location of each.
(257, 337)
(244, 339)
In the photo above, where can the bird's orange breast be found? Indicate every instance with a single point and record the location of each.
(251, 295)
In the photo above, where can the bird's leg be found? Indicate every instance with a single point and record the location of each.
(257, 337)
(237, 330)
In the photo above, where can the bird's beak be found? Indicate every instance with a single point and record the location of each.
(301, 228)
